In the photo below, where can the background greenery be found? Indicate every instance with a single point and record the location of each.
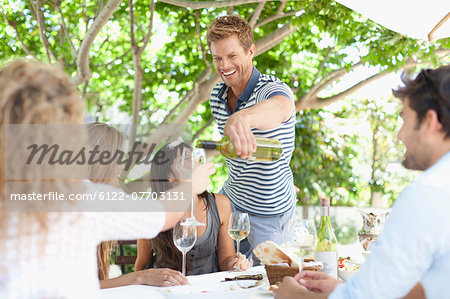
(311, 45)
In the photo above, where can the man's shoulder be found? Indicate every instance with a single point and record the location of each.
(264, 78)
(217, 90)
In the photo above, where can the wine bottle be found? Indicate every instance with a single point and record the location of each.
(326, 249)
(267, 149)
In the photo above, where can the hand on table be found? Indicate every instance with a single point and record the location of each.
(317, 281)
(238, 260)
(163, 277)
(238, 129)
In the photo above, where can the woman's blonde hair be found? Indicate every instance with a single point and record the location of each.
(32, 92)
(108, 139)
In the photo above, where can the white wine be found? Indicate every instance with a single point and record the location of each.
(267, 149)
(304, 251)
(237, 234)
(326, 249)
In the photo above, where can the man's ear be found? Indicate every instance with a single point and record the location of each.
(252, 51)
(433, 125)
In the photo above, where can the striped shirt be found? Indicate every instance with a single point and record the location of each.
(259, 188)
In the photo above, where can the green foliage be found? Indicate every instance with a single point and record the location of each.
(329, 37)
(346, 233)
(378, 146)
(322, 164)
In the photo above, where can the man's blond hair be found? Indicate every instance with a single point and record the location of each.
(225, 26)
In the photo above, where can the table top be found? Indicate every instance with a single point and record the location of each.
(201, 286)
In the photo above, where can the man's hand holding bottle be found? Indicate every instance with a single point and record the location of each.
(239, 130)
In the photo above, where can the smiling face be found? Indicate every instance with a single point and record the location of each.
(418, 154)
(233, 63)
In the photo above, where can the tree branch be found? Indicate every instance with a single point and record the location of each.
(257, 13)
(321, 65)
(14, 26)
(114, 60)
(150, 26)
(199, 35)
(203, 128)
(211, 4)
(40, 19)
(332, 77)
(273, 39)
(322, 102)
(64, 27)
(200, 79)
(131, 15)
(83, 71)
(276, 17)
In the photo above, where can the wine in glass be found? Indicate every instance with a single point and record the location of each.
(238, 229)
(184, 237)
(305, 238)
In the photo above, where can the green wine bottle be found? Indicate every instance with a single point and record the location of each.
(267, 149)
(326, 249)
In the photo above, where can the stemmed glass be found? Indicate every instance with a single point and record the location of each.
(238, 229)
(198, 157)
(184, 237)
(305, 238)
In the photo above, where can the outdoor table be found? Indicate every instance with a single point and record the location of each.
(201, 286)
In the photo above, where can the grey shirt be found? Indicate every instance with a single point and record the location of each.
(203, 257)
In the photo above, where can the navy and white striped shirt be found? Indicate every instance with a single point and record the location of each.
(259, 188)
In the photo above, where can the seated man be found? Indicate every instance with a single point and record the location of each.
(415, 243)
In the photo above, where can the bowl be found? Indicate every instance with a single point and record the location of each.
(350, 267)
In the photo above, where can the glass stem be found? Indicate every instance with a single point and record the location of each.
(237, 254)
(300, 267)
(192, 206)
(183, 268)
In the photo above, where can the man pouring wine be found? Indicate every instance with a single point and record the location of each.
(249, 105)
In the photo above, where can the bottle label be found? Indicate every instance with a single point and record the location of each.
(329, 260)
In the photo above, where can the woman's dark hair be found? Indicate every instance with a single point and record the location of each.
(429, 90)
(163, 178)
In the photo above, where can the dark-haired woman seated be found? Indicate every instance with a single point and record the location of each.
(214, 249)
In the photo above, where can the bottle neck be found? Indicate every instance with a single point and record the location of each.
(325, 211)
(209, 145)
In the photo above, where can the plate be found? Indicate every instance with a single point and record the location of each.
(135, 291)
(227, 289)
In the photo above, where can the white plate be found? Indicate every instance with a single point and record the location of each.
(131, 292)
(227, 289)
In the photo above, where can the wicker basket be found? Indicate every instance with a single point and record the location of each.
(276, 273)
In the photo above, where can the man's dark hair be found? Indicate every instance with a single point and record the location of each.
(429, 90)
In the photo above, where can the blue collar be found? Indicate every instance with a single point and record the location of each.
(251, 84)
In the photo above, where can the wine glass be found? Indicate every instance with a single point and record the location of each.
(238, 229)
(184, 237)
(305, 238)
(198, 157)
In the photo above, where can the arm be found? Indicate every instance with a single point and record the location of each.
(265, 115)
(144, 254)
(198, 180)
(155, 277)
(404, 251)
(226, 253)
(416, 293)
